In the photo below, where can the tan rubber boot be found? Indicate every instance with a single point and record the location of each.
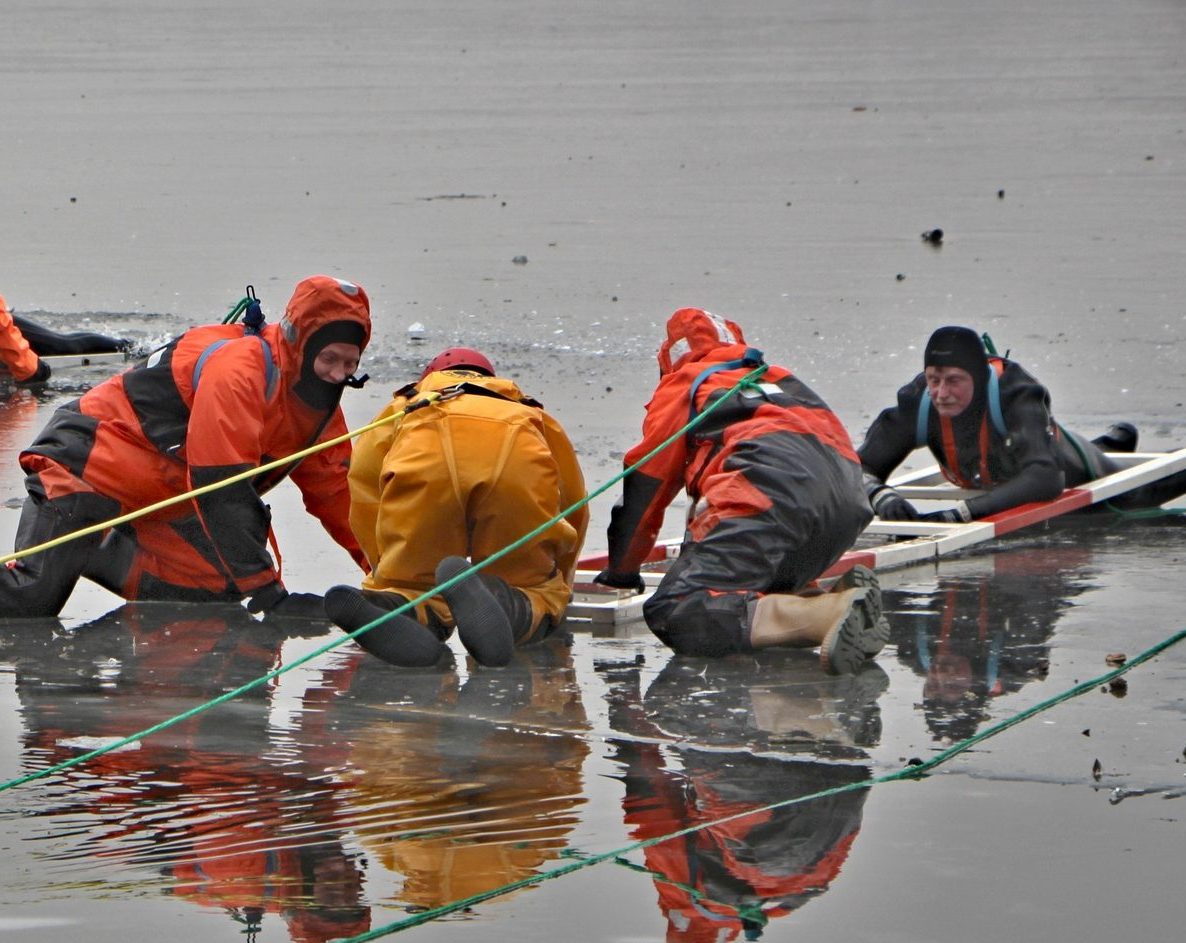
(791, 621)
(846, 623)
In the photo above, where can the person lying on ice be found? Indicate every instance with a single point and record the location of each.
(775, 498)
(218, 400)
(464, 476)
(988, 423)
(23, 343)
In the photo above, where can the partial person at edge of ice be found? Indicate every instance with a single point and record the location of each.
(23, 343)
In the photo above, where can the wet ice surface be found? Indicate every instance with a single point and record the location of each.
(775, 162)
(348, 794)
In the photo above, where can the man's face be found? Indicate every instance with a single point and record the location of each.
(951, 389)
(336, 362)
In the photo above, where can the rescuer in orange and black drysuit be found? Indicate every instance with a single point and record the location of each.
(1004, 441)
(214, 402)
(463, 476)
(775, 497)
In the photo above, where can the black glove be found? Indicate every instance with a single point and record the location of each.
(956, 515)
(631, 581)
(299, 606)
(891, 506)
(275, 600)
(40, 375)
(265, 598)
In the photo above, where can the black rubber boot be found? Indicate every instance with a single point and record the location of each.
(1121, 437)
(398, 640)
(482, 624)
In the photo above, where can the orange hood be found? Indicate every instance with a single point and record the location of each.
(317, 301)
(693, 333)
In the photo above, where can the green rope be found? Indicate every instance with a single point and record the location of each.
(236, 310)
(752, 912)
(748, 380)
(915, 771)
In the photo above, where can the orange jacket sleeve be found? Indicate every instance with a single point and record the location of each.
(365, 479)
(572, 490)
(637, 518)
(15, 352)
(325, 490)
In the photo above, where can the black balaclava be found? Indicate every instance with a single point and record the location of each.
(317, 392)
(960, 347)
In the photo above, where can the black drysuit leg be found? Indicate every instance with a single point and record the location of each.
(806, 508)
(39, 585)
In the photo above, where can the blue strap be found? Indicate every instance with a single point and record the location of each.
(751, 358)
(994, 402)
(269, 364)
(924, 415)
(994, 410)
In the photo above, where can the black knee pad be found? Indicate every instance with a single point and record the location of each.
(703, 623)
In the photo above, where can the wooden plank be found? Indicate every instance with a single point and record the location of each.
(62, 363)
(1154, 467)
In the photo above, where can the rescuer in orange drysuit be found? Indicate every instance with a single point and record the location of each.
(155, 432)
(775, 498)
(464, 476)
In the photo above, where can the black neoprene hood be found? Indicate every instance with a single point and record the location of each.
(956, 347)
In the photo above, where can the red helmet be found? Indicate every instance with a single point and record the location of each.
(459, 358)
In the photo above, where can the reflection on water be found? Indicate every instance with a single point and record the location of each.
(439, 785)
(470, 786)
(742, 734)
(456, 789)
(336, 800)
(18, 416)
(197, 804)
(979, 636)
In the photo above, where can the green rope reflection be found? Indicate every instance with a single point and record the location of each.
(913, 771)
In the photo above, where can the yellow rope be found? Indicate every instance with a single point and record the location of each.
(233, 479)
